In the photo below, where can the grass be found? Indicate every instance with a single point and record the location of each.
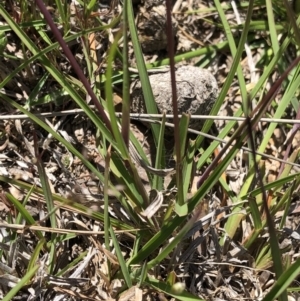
(196, 238)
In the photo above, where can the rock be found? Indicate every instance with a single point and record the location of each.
(197, 90)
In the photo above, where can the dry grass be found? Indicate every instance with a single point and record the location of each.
(70, 219)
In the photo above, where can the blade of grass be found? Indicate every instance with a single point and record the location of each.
(107, 224)
(121, 259)
(62, 14)
(146, 87)
(45, 184)
(167, 289)
(170, 246)
(24, 213)
(181, 206)
(36, 254)
(71, 59)
(285, 279)
(277, 183)
(236, 53)
(126, 79)
(109, 101)
(32, 97)
(30, 273)
(272, 29)
(160, 152)
(71, 265)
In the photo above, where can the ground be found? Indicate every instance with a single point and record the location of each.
(208, 269)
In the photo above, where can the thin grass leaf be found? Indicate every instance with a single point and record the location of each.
(126, 79)
(188, 165)
(107, 224)
(141, 198)
(109, 102)
(146, 87)
(23, 213)
(35, 91)
(291, 90)
(86, 52)
(256, 215)
(121, 259)
(272, 24)
(225, 131)
(234, 220)
(26, 199)
(190, 55)
(236, 53)
(167, 289)
(72, 264)
(160, 153)
(126, 178)
(278, 183)
(50, 207)
(36, 254)
(286, 200)
(176, 240)
(181, 206)
(46, 190)
(30, 273)
(62, 14)
(264, 257)
(91, 6)
(285, 279)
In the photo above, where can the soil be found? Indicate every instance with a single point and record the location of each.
(203, 271)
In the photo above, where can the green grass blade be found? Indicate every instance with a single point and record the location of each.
(110, 105)
(167, 289)
(30, 273)
(146, 87)
(160, 153)
(36, 254)
(272, 23)
(126, 78)
(24, 213)
(284, 281)
(170, 246)
(121, 259)
(181, 207)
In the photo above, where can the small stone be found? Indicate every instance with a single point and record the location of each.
(197, 91)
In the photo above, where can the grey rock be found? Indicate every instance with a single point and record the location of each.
(197, 90)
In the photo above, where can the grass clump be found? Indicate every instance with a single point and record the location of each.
(98, 206)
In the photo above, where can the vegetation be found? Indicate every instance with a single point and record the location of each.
(86, 214)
